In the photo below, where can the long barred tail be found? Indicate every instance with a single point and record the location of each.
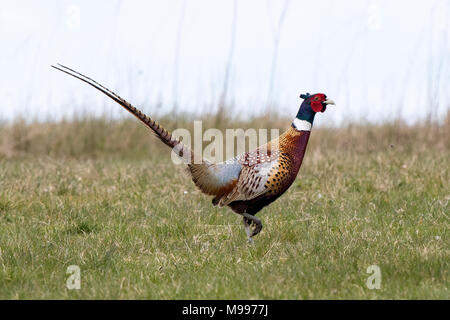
(163, 135)
(199, 171)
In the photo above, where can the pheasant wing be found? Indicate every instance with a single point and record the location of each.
(257, 166)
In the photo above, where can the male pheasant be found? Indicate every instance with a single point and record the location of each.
(250, 181)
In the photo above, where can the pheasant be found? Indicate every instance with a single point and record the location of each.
(250, 181)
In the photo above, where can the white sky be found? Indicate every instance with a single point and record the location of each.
(376, 59)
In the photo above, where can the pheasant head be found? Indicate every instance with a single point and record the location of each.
(312, 104)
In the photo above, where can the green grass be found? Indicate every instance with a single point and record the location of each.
(128, 224)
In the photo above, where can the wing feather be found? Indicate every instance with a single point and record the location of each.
(257, 166)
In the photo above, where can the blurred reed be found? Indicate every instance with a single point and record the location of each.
(88, 137)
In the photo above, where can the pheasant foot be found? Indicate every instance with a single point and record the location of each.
(253, 220)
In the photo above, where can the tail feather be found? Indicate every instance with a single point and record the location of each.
(163, 135)
(203, 174)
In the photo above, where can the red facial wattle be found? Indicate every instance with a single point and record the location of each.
(316, 106)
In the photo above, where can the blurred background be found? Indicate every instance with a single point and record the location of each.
(379, 60)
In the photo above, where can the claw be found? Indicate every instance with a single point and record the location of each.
(258, 228)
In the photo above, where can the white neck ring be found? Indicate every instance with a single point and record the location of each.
(301, 125)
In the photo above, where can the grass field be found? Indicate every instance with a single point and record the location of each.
(106, 197)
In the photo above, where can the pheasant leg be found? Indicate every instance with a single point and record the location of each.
(255, 221)
(248, 231)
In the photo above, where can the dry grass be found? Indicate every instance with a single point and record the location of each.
(88, 138)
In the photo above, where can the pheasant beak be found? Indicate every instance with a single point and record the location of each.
(329, 101)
